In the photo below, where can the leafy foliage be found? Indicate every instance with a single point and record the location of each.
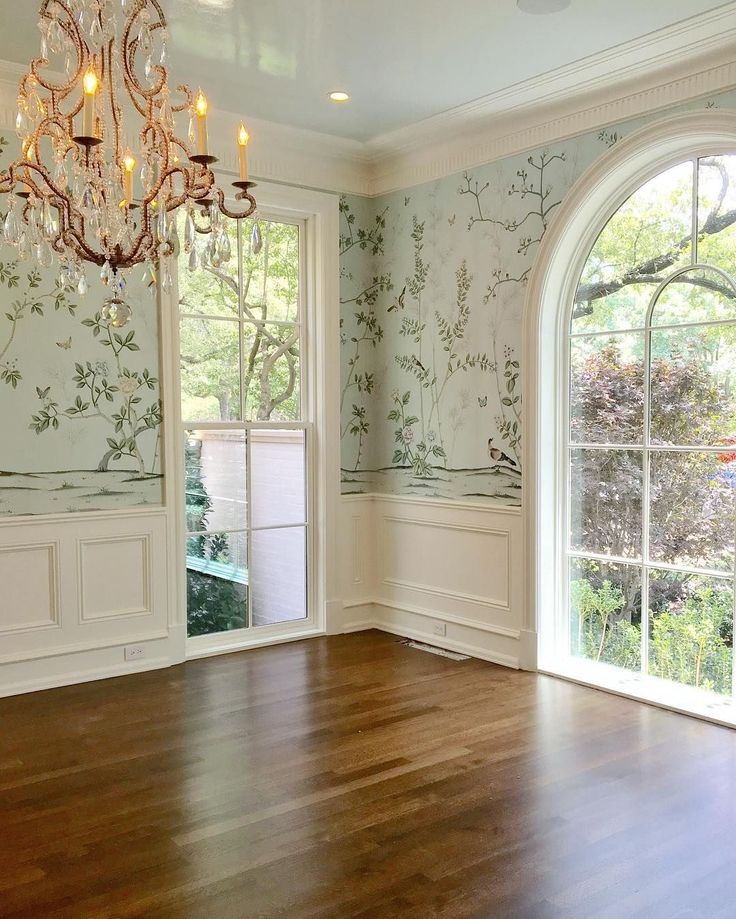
(119, 403)
(214, 604)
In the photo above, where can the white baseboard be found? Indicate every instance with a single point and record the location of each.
(397, 621)
(88, 666)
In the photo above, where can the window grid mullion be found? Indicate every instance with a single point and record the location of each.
(645, 495)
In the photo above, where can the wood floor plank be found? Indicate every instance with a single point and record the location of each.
(352, 776)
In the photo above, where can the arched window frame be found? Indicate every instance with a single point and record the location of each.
(587, 208)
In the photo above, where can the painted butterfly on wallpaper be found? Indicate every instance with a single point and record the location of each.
(451, 220)
(482, 402)
(66, 345)
(406, 201)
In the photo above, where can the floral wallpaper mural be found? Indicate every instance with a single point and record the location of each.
(433, 280)
(79, 401)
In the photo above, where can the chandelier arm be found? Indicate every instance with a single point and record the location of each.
(71, 28)
(241, 196)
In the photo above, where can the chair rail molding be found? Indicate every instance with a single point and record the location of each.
(593, 199)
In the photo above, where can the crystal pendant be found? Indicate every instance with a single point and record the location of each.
(166, 114)
(89, 201)
(173, 239)
(82, 286)
(11, 226)
(105, 311)
(148, 70)
(22, 124)
(256, 240)
(190, 233)
(166, 280)
(118, 312)
(106, 275)
(23, 246)
(224, 247)
(193, 259)
(44, 254)
(191, 134)
(162, 229)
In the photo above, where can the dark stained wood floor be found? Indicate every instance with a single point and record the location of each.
(352, 776)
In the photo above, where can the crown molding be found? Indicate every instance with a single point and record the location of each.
(673, 66)
(520, 131)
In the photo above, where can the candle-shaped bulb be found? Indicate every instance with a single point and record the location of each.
(200, 107)
(90, 84)
(129, 163)
(243, 138)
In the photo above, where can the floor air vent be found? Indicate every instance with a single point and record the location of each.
(420, 646)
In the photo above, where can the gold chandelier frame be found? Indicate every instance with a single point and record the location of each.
(183, 176)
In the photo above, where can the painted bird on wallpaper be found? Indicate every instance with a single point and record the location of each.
(498, 456)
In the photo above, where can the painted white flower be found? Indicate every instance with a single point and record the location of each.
(127, 385)
(395, 395)
(431, 437)
(407, 435)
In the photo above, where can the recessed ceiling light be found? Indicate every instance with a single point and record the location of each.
(340, 96)
(540, 7)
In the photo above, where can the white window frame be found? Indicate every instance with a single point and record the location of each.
(318, 216)
(592, 201)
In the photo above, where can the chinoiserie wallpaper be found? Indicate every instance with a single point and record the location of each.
(432, 292)
(79, 400)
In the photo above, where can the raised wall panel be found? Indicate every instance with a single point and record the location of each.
(446, 572)
(73, 585)
(115, 577)
(448, 559)
(29, 586)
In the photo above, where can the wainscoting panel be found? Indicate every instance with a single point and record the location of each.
(447, 572)
(75, 585)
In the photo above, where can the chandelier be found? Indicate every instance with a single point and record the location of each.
(102, 171)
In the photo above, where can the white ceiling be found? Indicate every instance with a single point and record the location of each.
(401, 60)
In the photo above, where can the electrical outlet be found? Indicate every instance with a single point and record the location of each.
(134, 652)
(440, 628)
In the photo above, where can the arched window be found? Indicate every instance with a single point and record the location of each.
(651, 427)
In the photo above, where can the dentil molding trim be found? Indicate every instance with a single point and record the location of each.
(689, 60)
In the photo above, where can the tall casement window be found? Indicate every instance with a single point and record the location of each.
(651, 427)
(245, 430)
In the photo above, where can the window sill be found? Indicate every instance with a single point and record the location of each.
(685, 700)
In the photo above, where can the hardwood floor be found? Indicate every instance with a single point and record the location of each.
(353, 776)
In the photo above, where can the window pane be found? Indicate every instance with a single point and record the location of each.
(691, 630)
(215, 480)
(692, 386)
(699, 295)
(210, 353)
(217, 583)
(210, 291)
(271, 274)
(271, 372)
(607, 389)
(606, 487)
(277, 476)
(279, 575)
(717, 212)
(692, 511)
(649, 236)
(605, 612)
